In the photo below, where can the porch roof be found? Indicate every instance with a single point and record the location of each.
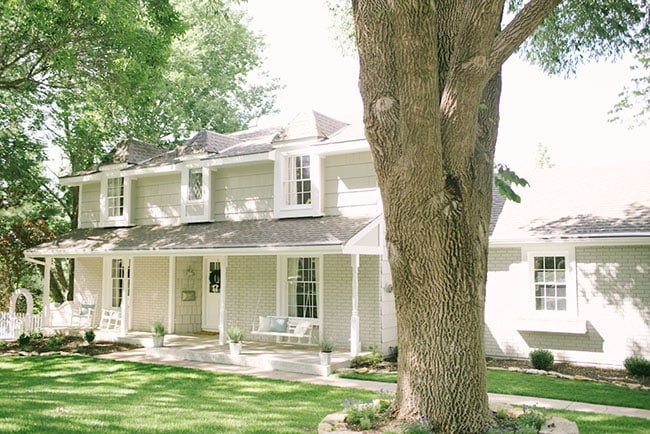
(334, 233)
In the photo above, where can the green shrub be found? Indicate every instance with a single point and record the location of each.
(55, 341)
(369, 360)
(541, 359)
(3, 344)
(24, 340)
(392, 354)
(638, 366)
(89, 336)
(36, 334)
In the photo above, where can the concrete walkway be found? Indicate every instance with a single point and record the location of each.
(139, 355)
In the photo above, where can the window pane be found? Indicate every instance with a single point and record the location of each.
(560, 276)
(539, 290)
(559, 263)
(539, 304)
(550, 304)
(195, 184)
(549, 262)
(539, 263)
(549, 276)
(302, 287)
(561, 304)
(561, 291)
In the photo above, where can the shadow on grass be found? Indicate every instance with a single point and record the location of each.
(83, 394)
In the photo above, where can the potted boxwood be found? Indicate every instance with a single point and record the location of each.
(235, 337)
(325, 354)
(159, 332)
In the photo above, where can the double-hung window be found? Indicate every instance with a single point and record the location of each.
(550, 291)
(302, 287)
(298, 185)
(549, 275)
(115, 197)
(115, 194)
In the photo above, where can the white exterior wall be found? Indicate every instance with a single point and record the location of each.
(351, 186)
(89, 205)
(187, 314)
(149, 292)
(88, 283)
(250, 291)
(337, 293)
(243, 192)
(157, 200)
(613, 295)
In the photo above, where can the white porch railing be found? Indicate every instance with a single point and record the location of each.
(13, 325)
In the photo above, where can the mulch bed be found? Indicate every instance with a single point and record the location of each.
(71, 344)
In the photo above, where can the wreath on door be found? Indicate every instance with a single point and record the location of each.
(215, 280)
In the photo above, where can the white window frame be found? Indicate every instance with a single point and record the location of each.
(205, 201)
(107, 287)
(283, 207)
(565, 321)
(283, 284)
(106, 219)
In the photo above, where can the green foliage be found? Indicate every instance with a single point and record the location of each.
(639, 366)
(421, 426)
(392, 354)
(326, 345)
(24, 340)
(504, 179)
(369, 360)
(541, 359)
(365, 415)
(529, 422)
(235, 334)
(158, 329)
(36, 334)
(89, 336)
(3, 344)
(55, 341)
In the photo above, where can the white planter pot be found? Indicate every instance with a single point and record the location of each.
(235, 348)
(325, 358)
(158, 341)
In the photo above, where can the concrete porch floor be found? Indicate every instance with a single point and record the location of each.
(204, 347)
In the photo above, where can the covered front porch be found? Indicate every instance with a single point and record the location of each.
(214, 276)
(260, 356)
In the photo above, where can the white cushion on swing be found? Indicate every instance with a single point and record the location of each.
(265, 324)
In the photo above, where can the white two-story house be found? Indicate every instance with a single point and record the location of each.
(227, 228)
(287, 221)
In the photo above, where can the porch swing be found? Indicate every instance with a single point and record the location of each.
(285, 327)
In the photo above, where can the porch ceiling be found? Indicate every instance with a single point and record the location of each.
(318, 232)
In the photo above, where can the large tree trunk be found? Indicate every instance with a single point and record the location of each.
(430, 85)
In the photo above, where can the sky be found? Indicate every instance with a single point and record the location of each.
(568, 116)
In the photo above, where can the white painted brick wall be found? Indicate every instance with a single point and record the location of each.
(337, 293)
(88, 283)
(613, 289)
(149, 292)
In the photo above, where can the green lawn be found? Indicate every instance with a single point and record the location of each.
(84, 394)
(516, 383)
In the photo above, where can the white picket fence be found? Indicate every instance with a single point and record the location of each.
(13, 324)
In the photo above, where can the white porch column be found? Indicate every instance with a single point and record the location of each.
(172, 300)
(355, 344)
(126, 297)
(222, 301)
(46, 291)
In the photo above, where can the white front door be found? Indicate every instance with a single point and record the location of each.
(212, 287)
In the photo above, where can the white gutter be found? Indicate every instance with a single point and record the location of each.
(623, 239)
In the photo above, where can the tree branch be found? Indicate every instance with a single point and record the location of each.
(521, 27)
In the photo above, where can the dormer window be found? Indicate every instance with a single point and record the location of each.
(195, 195)
(195, 185)
(298, 185)
(115, 197)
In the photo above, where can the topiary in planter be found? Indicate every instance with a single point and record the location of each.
(542, 359)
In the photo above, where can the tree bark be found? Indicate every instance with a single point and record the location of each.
(430, 87)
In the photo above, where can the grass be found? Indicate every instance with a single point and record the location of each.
(83, 394)
(516, 383)
(596, 423)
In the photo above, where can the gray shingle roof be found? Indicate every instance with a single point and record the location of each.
(612, 200)
(299, 232)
